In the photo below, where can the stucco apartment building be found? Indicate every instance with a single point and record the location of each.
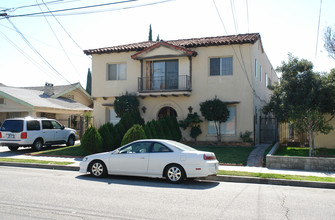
(174, 77)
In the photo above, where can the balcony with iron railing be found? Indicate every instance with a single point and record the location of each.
(164, 84)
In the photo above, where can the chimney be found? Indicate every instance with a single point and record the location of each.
(48, 89)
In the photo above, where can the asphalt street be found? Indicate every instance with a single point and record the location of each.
(53, 194)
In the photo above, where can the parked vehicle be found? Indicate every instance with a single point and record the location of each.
(34, 133)
(152, 158)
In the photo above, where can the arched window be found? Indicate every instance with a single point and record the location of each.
(167, 111)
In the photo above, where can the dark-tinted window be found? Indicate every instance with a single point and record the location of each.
(12, 125)
(159, 148)
(33, 126)
(47, 125)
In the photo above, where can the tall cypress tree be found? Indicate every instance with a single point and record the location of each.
(89, 82)
(150, 34)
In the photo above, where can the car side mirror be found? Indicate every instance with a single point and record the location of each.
(63, 127)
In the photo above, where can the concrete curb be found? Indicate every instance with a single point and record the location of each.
(221, 178)
(41, 166)
(281, 182)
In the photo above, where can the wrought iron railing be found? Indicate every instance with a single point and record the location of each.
(163, 83)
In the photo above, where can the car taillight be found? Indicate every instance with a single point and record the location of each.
(209, 157)
(0, 135)
(24, 135)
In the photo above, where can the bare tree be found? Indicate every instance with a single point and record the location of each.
(329, 38)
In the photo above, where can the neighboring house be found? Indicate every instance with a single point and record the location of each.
(64, 103)
(326, 141)
(173, 77)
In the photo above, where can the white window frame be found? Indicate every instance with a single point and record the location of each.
(118, 69)
(113, 117)
(231, 122)
(260, 73)
(266, 80)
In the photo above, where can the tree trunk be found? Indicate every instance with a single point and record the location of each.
(310, 143)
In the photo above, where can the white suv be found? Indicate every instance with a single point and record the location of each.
(35, 133)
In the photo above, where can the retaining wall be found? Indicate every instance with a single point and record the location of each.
(299, 163)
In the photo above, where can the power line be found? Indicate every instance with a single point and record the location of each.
(60, 44)
(24, 54)
(72, 9)
(317, 36)
(34, 50)
(232, 5)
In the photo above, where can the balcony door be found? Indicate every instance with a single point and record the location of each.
(164, 75)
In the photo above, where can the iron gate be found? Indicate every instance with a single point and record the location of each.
(268, 130)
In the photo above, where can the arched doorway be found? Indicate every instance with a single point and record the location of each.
(166, 111)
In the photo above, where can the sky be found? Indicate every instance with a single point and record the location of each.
(35, 49)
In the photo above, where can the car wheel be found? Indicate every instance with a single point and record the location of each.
(98, 169)
(37, 145)
(174, 173)
(70, 141)
(13, 148)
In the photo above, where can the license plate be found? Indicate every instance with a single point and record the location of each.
(10, 135)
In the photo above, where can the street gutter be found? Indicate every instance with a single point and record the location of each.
(220, 178)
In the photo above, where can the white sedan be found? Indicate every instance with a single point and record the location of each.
(152, 158)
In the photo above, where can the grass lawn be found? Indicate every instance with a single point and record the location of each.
(304, 152)
(228, 155)
(75, 151)
(13, 160)
(277, 176)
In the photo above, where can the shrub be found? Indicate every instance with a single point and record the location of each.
(91, 141)
(175, 128)
(125, 103)
(159, 129)
(147, 131)
(120, 130)
(129, 119)
(166, 128)
(134, 133)
(246, 136)
(152, 129)
(107, 137)
(193, 121)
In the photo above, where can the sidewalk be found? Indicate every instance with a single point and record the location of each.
(5, 153)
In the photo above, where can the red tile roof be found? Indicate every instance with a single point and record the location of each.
(186, 43)
(158, 44)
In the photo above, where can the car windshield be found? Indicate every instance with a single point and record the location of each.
(181, 146)
(12, 125)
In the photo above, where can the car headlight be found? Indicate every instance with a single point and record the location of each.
(85, 159)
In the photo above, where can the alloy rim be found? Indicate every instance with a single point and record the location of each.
(97, 169)
(174, 174)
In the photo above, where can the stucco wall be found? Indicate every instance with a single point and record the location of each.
(238, 88)
(328, 140)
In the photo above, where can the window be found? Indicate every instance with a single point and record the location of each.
(33, 126)
(2, 101)
(117, 71)
(221, 66)
(56, 125)
(266, 80)
(47, 125)
(163, 74)
(159, 148)
(256, 66)
(228, 127)
(142, 147)
(113, 117)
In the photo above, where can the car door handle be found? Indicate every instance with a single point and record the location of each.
(142, 158)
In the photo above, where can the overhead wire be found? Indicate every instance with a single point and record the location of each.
(60, 44)
(25, 54)
(317, 35)
(36, 52)
(240, 63)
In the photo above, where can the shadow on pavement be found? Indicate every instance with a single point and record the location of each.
(151, 182)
